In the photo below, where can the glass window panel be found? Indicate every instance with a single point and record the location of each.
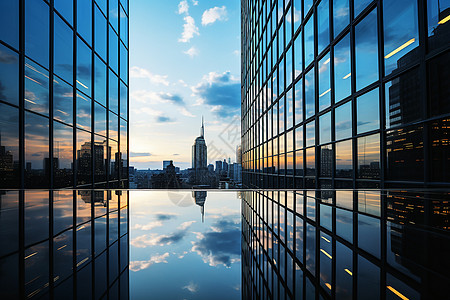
(65, 8)
(344, 224)
(298, 91)
(324, 85)
(114, 14)
(289, 67)
(289, 109)
(344, 159)
(310, 102)
(37, 39)
(438, 84)
(298, 56)
(369, 157)
(342, 69)
(326, 218)
(36, 88)
(114, 155)
(63, 155)
(100, 158)
(323, 25)
(123, 27)
(124, 64)
(401, 33)
(62, 255)
(101, 29)
(325, 128)
(369, 202)
(344, 199)
(124, 148)
(83, 254)
(310, 259)
(100, 119)
(63, 50)
(83, 112)
(325, 257)
(310, 134)
(326, 161)
(9, 225)
(343, 120)
(123, 101)
(307, 5)
(37, 269)
(9, 18)
(405, 155)
(360, 5)
(368, 111)
(9, 147)
(113, 50)
(84, 160)
(368, 280)
(299, 137)
(299, 163)
(310, 162)
(366, 51)
(288, 24)
(84, 67)
(37, 165)
(341, 15)
(309, 41)
(36, 213)
(113, 126)
(369, 234)
(438, 17)
(344, 272)
(281, 81)
(84, 19)
(124, 4)
(440, 150)
(102, 4)
(9, 75)
(100, 81)
(281, 115)
(297, 5)
(62, 101)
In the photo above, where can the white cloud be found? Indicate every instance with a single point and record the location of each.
(191, 287)
(237, 52)
(183, 7)
(194, 2)
(137, 72)
(186, 113)
(189, 30)
(214, 14)
(139, 265)
(148, 226)
(186, 225)
(191, 52)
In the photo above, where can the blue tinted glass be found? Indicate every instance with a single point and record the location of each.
(298, 91)
(368, 280)
(369, 234)
(113, 126)
(83, 112)
(124, 4)
(65, 8)
(113, 50)
(9, 22)
(360, 5)
(100, 33)
(114, 14)
(123, 27)
(113, 92)
(298, 56)
(62, 101)
(281, 114)
(401, 33)
(124, 63)
(37, 31)
(63, 153)
(368, 111)
(325, 128)
(289, 109)
(307, 5)
(84, 68)
(123, 101)
(9, 145)
(288, 26)
(341, 15)
(342, 69)
(102, 4)
(323, 25)
(63, 50)
(36, 88)
(9, 75)
(84, 19)
(344, 224)
(100, 81)
(309, 41)
(84, 169)
(310, 134)
(324, 85)
(366, 48)
(343, 121)
(36, 151)
(297, 5)
(100, 119)
(281, 81)
(310, 104)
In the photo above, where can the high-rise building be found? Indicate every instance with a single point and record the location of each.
(345, 94)
(199, 158)
(64, 92)
(166, 163)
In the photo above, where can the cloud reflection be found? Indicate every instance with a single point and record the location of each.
(139, 265)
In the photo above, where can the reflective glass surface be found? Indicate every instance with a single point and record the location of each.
(62, 155)
(344, 159)
(324, 85)
(84, 157)
(438, 12)
(37, 162)
(359, 6)
(37, 39)
(9, 18)
(368, 111)
(62, 101)
(9, 146)
(113, 50)
(310, 97)
(342, 69)
(100, 33)
(113, 92)
(84, 67)
(323, 25)
(63, 50)
(309, 40)
(83, 112)
(369, 156)
(65, 8)
(9, 75)
(341, 15)
(37, 96)
(84, 19)
(325, 128)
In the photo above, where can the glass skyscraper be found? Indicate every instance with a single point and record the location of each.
(63, 93)
(345, 93)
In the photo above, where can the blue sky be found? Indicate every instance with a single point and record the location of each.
(184, 63)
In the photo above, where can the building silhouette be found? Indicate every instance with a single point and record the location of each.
(200, 199)
(199, 159)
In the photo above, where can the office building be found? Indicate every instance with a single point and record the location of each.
(64, 93)
(199, 158)
(166, 163)
(345, 94)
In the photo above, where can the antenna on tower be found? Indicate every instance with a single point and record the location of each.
(202, 131)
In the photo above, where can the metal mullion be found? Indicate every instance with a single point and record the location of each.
(381, 98)
(22, 96)
(50, 111)
(74, 89)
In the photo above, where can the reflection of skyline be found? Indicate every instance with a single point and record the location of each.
(200, 199)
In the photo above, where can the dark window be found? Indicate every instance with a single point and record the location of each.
(9, 75)
(9, 147)
(438, 23)
(438, 84)
(115, 160)
(100, 158)
(37, 163)
(326, 161)
(63, 50)
(84, 157)
(63, 155)
(9, 18)
(36, 216)
(37, 31)
(440, 150)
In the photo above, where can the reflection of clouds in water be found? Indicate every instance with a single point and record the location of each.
(139, 265)
(221, 246)
(191, 287)
(154, 239)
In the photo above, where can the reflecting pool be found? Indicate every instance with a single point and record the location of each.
(266, 244)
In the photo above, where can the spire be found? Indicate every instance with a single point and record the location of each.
(202, 131)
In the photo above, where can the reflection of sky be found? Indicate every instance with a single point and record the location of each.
(197, 260)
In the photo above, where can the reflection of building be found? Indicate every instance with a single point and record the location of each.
(200, 199)
(199, 158)
(168, 179)
(58, 91)
(408, 87)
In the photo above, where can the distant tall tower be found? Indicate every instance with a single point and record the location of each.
(199, 157)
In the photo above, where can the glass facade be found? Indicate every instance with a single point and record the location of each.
(355, 92)
(344, 244)
(70, 244)
(63, 93)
